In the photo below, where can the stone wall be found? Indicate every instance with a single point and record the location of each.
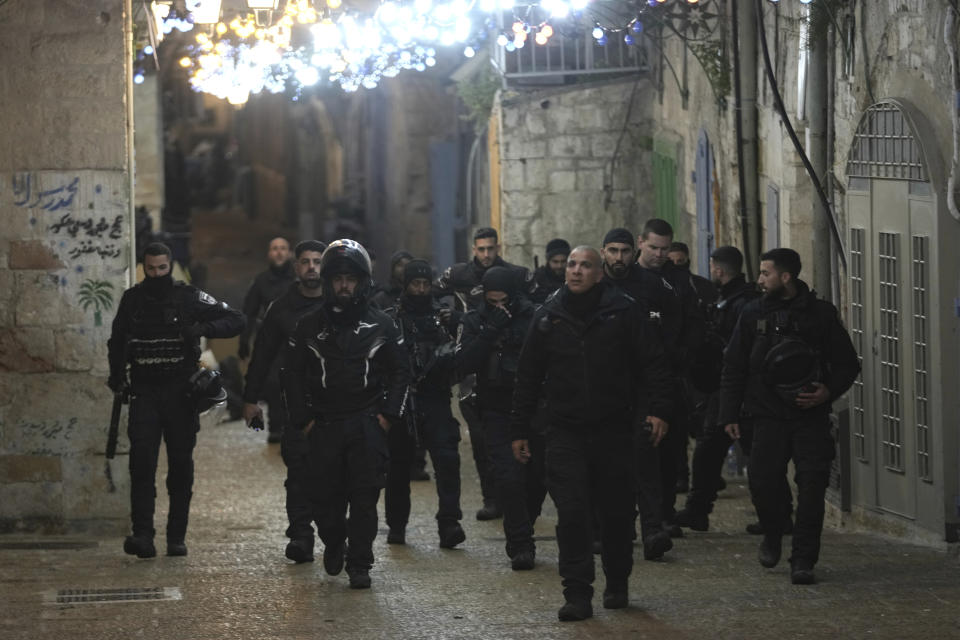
(559, 176)
(64, 258)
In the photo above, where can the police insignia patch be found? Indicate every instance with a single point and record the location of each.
(207, 298)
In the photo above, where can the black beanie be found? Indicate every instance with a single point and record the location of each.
(558, 247)
(500, 279)
(417, 269)
(618, 235)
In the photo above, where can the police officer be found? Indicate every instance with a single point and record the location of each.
(590, 350)
(279, 323)
(345, 381)
(489, 346)
(267, 287)
(430, 348)
(549, 277)
(388, 297)
(157, 333)
(726, 268)
(788, 357)
(620, 270)
(462, 281)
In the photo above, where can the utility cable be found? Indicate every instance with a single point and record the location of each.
(778, 104)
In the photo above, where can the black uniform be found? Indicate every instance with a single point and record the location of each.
(341, 370)
(157, 332)
(781, 429)
(278, 327)
(713, 442)
(672, 305)
(429, 347)
(489, 346)
(547, 282)
(267, 287)
(463, 282)
(589, 356)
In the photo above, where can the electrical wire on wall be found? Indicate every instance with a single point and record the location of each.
(778, 104)
(748, 258)
(608, 184)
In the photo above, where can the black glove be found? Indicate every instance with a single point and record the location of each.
(499, 318)
(118, 384)
(243, 351)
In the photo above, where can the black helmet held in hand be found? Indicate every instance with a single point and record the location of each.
(791, 366)
(206, 389)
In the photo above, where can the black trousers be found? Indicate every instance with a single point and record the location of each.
(592, 469)
(519, 488)
(809, 444)
(348, 466)
(709, 454)
(471, 415)
(295, 451)
(658, 467)
(161, 412)
(439, 434)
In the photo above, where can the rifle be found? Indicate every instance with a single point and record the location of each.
(119, 399)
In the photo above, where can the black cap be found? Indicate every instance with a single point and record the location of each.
(558, 247)
(417, 269)
(500, 279)
(618, 235)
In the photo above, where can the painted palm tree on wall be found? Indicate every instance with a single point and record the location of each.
(99, 295)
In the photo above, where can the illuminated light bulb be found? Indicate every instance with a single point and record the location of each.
(522, 37)
(334, 4)
(518, 43)
(692, 1)
(234, 24)
(541, 39)
(221, 28)
(637, 27)
(502, 40)
(805, 1)
(308, 76)
(661, 1)
(597, 33)
(628, 39)
(260, 34)
(547, 30)
(423, 6)
(185, 62)
(148, 50)
(510, 47)
(579, 5)
(138, 79)
(556, 8)
(431, 62)
(447, 38)
(518, 27)
(488, 6)
(469, 52)
(203, 38)
(602, 41)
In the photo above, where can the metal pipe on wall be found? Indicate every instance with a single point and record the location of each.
(746, 26)
(816, 103)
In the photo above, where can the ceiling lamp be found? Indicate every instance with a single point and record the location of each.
(263, 4)
(205, 11)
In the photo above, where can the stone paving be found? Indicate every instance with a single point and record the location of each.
(235, 582)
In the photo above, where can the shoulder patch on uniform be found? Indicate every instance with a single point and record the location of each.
(206, 297)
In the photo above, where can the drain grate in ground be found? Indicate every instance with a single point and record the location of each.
(111, 595)
(47, 545)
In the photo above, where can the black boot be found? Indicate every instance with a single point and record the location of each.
(176, 548)
(489, 511)
(451, 534)
(300, 550)
(575, 610)
(770, 549)
(140, 546)
(397, 535)
(656, 544)
(359, 578)
(523, 560)
(333, 557)
(801, 572)
(692, 519)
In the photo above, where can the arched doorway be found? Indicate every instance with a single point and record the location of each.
(897, 406)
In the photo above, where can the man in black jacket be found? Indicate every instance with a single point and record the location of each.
(429, 344)
(345, 382)
(788, 357)
(489, 346)
(590, 351)
(267, 287)
(279, 323)
(463, 282)
(726, 267)
(388, 297)
(549, 277)
(157, 332)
